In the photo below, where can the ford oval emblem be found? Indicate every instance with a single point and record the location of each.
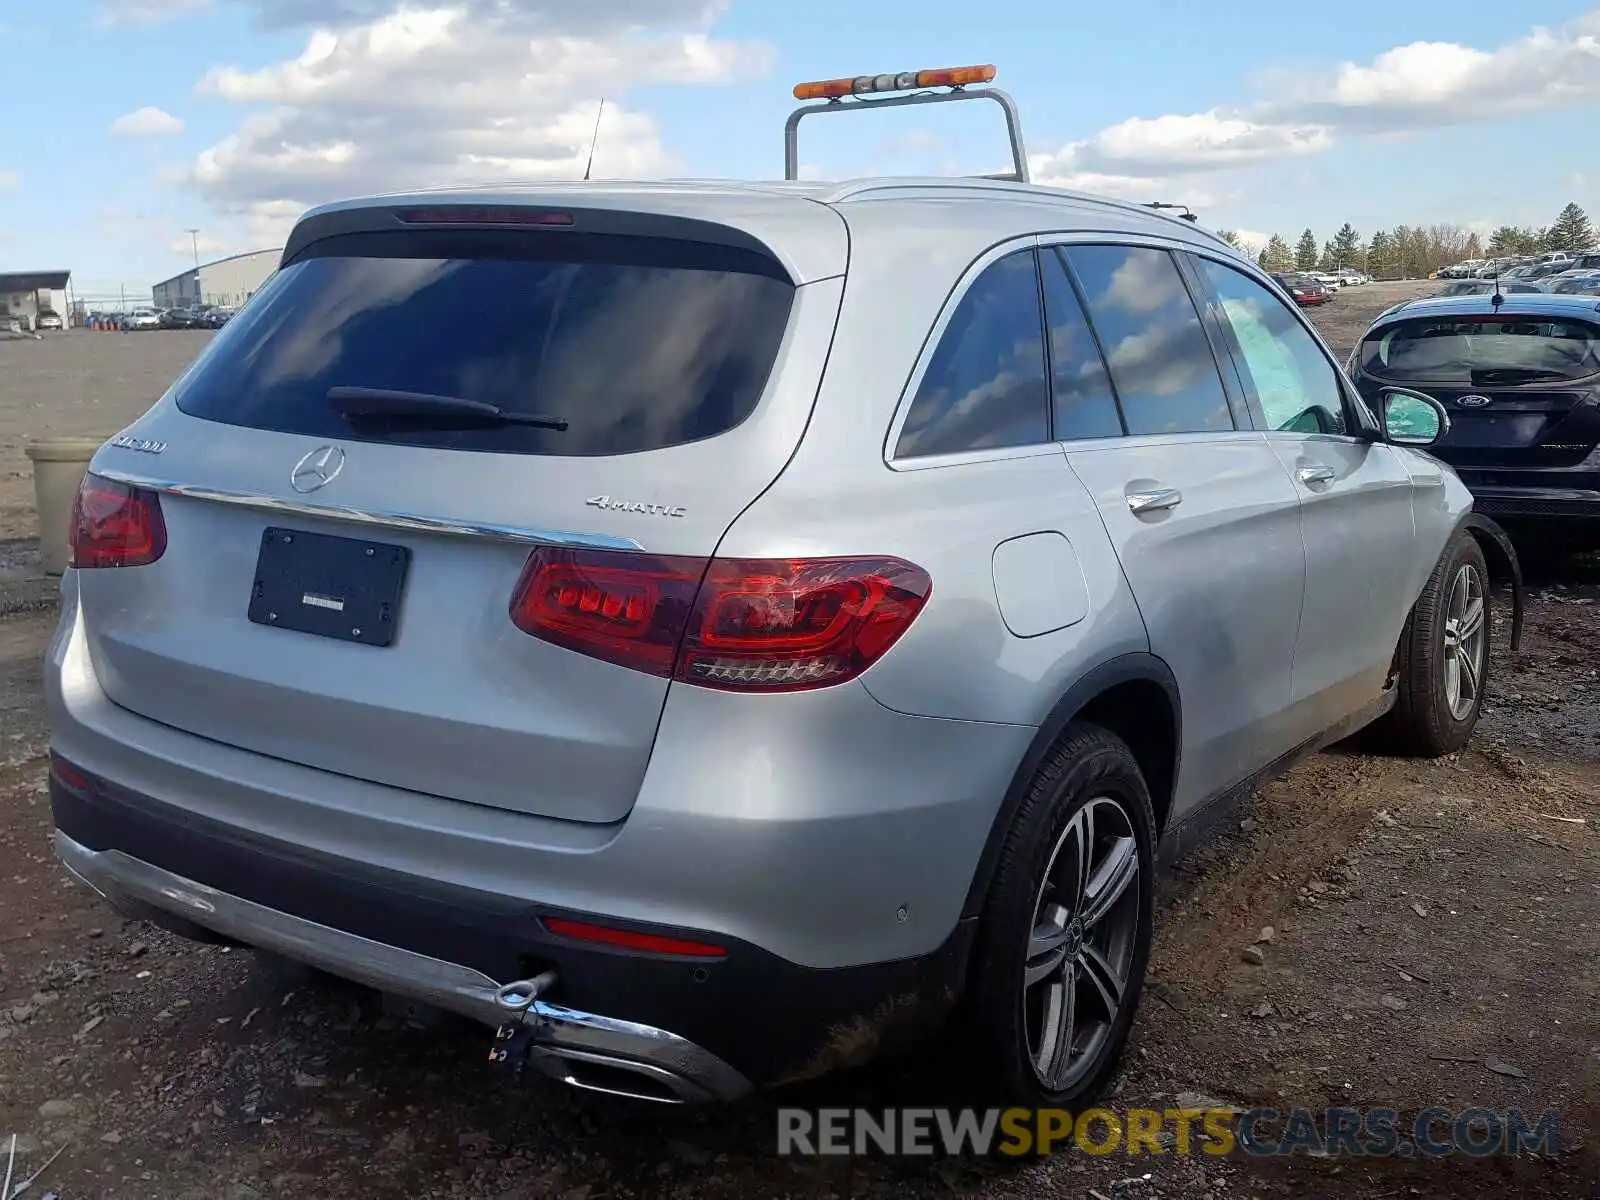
(1474, 401)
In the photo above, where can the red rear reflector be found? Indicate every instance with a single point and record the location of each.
(115, 525)
(460, 215)
(76, 779)
(734, 624)
(625, 939)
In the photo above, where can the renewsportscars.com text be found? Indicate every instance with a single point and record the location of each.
(1261, 1132)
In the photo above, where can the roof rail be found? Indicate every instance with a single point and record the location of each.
(851, 95)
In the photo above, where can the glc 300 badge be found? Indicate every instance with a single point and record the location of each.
(610, 504)
(126, 441)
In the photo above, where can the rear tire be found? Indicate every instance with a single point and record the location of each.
(1443, 661)
(1065, 934)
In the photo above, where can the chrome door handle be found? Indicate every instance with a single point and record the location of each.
(1317, 474)
(1154, 501)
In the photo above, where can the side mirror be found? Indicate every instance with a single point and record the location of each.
(1412, 418)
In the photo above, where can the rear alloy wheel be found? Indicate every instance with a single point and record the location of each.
(1082, 949)
(1066, 927)
(1443, 661)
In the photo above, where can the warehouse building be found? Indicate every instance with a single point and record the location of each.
(228, 281)
(26, 294)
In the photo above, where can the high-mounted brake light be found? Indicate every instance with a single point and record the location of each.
(904, 81)
(115, 525)
(627, 939)
(748, 625)
(464, 215)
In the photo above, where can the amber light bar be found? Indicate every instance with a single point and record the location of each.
(905, 81)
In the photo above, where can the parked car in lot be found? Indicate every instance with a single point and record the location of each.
(142, 318)
(1574, 283)
(1306, 291)
(49, 319)
(1487, 287)
(178, 318)
(1521, 381)
(1350, 277)
(724, 711)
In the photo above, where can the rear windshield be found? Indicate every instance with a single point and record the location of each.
(1503, 349)
(636, 343)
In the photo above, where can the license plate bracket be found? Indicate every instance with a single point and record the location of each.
(334, 587)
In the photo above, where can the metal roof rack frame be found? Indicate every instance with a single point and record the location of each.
(852, 95)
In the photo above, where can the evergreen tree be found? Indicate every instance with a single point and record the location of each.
(1513, 239)
(1380, 256)
(1305, 252)
(1231, 237)
(1276, 255)
(1346, 247)
(1571, 231)
(1474, 246)
(1325, 261)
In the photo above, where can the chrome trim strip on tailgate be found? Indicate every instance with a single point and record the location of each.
(695, 1072)
(450, 527)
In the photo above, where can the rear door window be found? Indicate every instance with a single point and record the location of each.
(636, 343)
(1508, 348)
(985, 384)
(1160, 358)
(1082, 401)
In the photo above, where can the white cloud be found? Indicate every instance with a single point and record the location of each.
(1402, 90)
(145, 12)
(148, 121)
(1251, 241)
(384, 98)
(203, 244)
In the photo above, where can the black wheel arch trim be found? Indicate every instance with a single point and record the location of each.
(1500, 552)
(1134, 667)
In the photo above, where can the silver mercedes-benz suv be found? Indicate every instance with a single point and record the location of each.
(728, 630)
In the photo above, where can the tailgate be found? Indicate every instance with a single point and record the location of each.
(335, 589)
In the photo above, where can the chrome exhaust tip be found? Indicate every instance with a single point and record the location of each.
(613, 1076)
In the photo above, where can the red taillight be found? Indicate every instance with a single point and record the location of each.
(736, 624)
(627, 939)
(115, 525)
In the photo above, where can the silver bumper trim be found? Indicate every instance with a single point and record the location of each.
(689, 1071)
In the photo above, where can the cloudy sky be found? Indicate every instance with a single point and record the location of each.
(130, 122)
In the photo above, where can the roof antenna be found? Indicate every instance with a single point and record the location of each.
(594, 141)
(1498, 298)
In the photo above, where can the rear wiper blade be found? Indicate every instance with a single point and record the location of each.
(368, 403)
(1514, 374)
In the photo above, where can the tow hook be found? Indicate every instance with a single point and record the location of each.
(516, 1035)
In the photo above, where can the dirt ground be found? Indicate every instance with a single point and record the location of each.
(1433, 941)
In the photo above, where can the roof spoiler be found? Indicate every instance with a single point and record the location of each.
(851, 95)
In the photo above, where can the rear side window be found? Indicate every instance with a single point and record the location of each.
(985, 384)
(636, 343)
(1508, 348)
(1158, 352)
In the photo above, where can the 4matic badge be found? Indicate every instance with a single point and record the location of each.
(611, 504)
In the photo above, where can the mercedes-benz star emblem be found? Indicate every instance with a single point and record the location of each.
(317, 469)
(1474, 401)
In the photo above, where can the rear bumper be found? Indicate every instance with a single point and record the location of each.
(835, 881)
(664, 1065)
(1533, 503)
(698, 1029)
